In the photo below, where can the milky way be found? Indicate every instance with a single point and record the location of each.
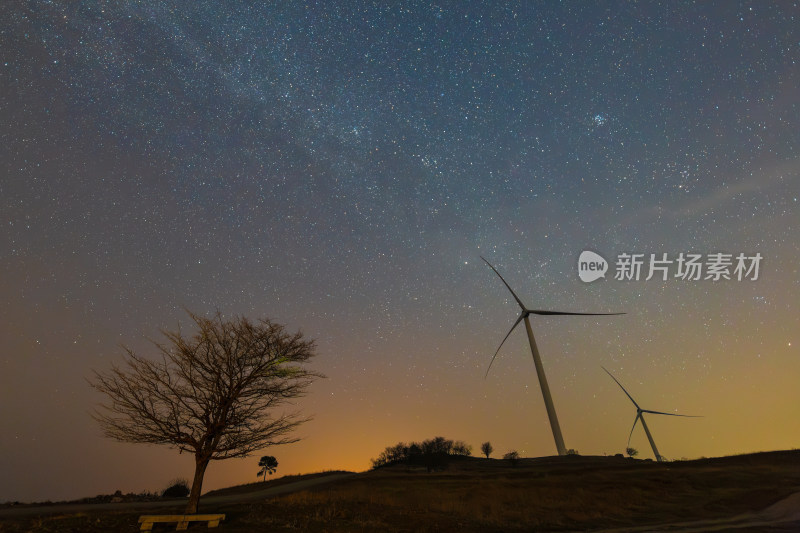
(341, 169)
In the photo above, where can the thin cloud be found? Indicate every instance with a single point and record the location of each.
(753, 185)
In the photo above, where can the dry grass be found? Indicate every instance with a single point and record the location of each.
(483, 502)
(74, 522)
(568, 494)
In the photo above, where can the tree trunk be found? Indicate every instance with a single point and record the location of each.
(197, 485)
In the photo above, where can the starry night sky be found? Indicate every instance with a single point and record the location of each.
(341, 169)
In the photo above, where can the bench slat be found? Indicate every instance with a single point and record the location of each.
(183, 520)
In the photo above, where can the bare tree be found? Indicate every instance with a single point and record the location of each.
(213, 394)
(487, 449)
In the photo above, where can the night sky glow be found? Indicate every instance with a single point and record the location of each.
(341, 169)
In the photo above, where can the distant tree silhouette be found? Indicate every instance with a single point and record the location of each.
(435, 452)
(572, 451)
(432, 453)
(213, 394)
(461, 448)
(632, 452)
(436, 446)
(413, 450)
(486, 449)
(268, 464)
(512, 457)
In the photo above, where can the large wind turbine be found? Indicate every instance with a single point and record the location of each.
(640, 416)
(537, 360)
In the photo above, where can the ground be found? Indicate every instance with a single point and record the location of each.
(756, 492)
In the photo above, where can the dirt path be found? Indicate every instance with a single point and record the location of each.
(17, 512)
(783, 515)
(280, 489)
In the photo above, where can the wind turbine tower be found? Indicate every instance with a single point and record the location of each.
(537, 360)
(640, 416)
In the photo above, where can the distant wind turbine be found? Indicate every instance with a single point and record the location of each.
(537, 360)
(640, 416)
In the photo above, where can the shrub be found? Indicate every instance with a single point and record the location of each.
(178, 488)
(512, 457)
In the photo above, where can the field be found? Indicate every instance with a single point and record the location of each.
(544, 494)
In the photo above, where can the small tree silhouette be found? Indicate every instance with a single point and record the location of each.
(632, 452)
(486, 449)
(268, 464)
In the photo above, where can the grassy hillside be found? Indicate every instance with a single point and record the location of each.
(561, 493)
(550, 494)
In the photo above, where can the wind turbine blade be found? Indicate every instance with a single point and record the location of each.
(670, 414)
(623, 390)
(543, 312)
(504, 340)
(506, 284)
(638, 415)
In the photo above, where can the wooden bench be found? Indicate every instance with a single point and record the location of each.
(183, 520)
